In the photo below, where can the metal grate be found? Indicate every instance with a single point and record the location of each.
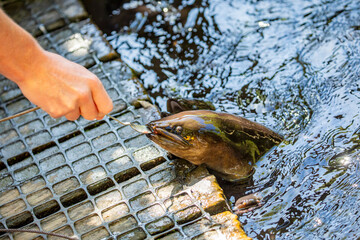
(95, 179)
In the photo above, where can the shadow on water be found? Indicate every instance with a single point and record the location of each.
(293, 66)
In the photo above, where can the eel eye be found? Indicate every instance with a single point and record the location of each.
(178, 129)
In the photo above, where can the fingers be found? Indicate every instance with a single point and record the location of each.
(93, 104)
(87, 98)
(102, 100)
(96, 103)
(72, 116)
(88, 108)
(82, 104)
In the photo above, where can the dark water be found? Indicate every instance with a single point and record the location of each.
(293, 66)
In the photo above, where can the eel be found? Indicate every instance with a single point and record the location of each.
(225, 143)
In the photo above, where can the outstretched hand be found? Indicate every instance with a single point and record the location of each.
(58, 86)
(63, 88)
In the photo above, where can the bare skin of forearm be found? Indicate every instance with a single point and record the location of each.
(16, 48)
(57, 85)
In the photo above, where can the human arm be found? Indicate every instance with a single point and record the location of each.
(58, 86)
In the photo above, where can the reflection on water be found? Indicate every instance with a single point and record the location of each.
(291, 65)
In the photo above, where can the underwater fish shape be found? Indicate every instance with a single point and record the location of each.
(227, 144)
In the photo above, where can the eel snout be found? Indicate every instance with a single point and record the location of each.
(161, 134)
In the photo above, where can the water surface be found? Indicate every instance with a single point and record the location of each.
(293, 66)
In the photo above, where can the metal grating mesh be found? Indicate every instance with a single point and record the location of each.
(94, 179)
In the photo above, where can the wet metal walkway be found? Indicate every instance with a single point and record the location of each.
(96, 179)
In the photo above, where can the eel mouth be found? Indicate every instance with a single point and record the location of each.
(161, 135)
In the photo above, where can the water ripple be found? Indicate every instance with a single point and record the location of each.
(293, 66)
